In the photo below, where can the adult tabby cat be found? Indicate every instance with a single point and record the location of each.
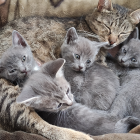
(17, 63)
(123, 112)
(92, 84)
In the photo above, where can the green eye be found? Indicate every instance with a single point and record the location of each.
(133, 59)
(77, 56)
(88, 61)
(23, 58)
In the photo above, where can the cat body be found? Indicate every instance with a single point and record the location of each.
(17, 63)
(92, 84)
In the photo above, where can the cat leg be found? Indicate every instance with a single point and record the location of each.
(126, 124)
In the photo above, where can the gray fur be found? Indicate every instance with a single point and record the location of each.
(92, 84)
(47, 89)
(17, 63)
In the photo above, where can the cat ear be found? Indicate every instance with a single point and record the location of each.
(55, 67)
(71, 35)
(27, 96)
(135, 16)
(134, 34)
(98, 45)
(105, 4)
(18, 39)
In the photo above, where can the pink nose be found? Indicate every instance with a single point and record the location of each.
(112, 39)
(80, 67)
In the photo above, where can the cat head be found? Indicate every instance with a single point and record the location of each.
(79, 52)
(47, 89)
(16, 63)
(112, 23)
(129, 54)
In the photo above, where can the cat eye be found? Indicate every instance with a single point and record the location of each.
(133, 60)
(12, 71)
(59, 105)
(23, 58)
(124, 51)
(77, 56)
(88, 61)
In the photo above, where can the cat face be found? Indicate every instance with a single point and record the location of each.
(112, 23)
(17, 62)
(47, 89)
(129, 54)
(79, 52)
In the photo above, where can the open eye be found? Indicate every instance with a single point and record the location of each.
(88, 61)
(124, 51)
(77, 56)
(67, 91)
(59, 105)
(12, 71)
(133, 59)
(23, 58)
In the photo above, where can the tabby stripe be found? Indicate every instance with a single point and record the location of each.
(2, 100)
(20, 112)
(7, 111)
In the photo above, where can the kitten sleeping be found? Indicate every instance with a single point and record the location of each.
(17, 63)
(50, 92)
(92, 84)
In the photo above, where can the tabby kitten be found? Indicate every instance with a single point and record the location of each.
(92, 84)
(17, 63)
(47, 89)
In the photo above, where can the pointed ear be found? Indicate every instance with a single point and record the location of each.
(55, 67)
(18, 39)
(134, 34)
(71, 35)
(98, 45)
(105, 4)
(135, 16)
(27, 96)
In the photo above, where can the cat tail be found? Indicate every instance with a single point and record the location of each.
(126, 124)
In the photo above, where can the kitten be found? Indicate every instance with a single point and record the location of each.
(17, 63)
(92, 84)
(17, 116)
(47, 89)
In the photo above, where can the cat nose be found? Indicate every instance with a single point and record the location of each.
(24, 71)
(122, 61)
(112, 39)
(80, 67)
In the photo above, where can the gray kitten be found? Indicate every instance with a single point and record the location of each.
(92, 84)
(17, 63)
(47, 89)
